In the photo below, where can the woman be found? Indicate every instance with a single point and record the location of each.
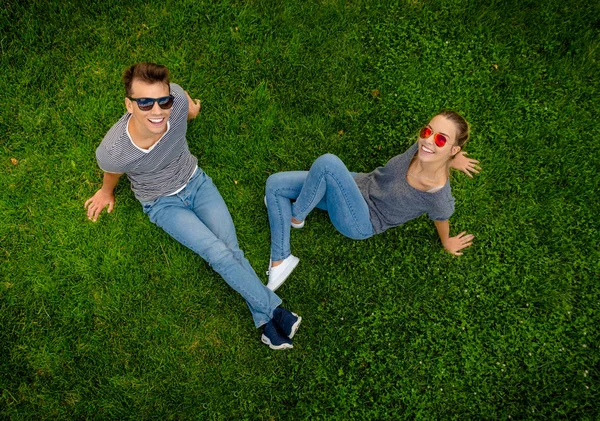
(361, 205)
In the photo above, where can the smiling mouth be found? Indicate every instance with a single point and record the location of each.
(156, 121)
(426, 149)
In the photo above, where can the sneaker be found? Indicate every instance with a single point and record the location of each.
(274, 338)
(278, 274)
(287, 321)
(300, 225)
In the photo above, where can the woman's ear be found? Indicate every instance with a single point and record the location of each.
(455, 150)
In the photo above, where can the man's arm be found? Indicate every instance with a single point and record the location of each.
(103, 197)
(194, 107)
(453, 244)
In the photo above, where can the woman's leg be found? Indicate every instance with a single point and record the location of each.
(280, 190)
(330, 185)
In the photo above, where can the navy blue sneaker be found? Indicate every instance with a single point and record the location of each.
(287, 321)
(274, 338)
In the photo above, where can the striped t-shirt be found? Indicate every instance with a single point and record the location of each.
(162, 169)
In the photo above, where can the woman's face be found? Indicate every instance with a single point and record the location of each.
(429, 147)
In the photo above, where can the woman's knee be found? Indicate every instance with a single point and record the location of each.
(329, 162)
(274, 182)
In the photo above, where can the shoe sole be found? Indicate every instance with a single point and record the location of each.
(295, 326)
(265, 340)
(274, 286)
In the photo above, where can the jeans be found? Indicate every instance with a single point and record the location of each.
(328, 186)
(198, 218)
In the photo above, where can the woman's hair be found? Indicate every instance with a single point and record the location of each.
(147, 72)
(462, 126)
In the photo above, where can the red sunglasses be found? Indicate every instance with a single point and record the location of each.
(439, 139)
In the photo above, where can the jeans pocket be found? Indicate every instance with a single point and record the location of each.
(147, 206)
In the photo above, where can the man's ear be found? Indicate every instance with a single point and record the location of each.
(455, 150)
(129, 105)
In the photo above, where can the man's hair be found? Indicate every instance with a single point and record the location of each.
(147, 72)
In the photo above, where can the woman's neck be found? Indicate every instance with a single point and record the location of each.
(431, 171)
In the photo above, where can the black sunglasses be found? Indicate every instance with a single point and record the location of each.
(146, 104)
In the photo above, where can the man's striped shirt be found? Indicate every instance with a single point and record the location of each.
(162, 169)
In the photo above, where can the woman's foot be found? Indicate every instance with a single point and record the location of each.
(280, 270)
(296, 223)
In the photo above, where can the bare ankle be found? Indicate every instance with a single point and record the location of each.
(277, 263)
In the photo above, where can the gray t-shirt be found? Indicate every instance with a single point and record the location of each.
(160, 170)
(392, 201)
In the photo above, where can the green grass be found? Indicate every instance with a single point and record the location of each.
(115, 320)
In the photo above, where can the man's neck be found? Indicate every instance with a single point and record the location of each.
(141, 139)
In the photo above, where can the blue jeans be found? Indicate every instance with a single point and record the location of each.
(328, 186)
(198, 218)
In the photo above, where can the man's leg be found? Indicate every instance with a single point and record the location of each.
(190, 217)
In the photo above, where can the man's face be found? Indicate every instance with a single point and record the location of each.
(153, 122)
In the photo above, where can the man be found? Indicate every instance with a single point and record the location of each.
(148, 144)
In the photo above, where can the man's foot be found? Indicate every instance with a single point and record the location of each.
(287, 321)
(278, 274)
(274, 338)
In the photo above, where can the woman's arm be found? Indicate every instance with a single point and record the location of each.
(453, 244)
(467, 165)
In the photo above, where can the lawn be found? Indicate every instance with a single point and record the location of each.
(115, 320)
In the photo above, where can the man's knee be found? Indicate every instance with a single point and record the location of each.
(218, 254)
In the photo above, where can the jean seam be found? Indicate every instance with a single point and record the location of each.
(282, 228)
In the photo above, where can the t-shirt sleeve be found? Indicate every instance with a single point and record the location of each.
(106, 162)
(180, 103)
(443, 210)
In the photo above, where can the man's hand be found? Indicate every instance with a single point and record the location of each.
(194, 107)
(97, 202)
(464, 164)
(454, 244)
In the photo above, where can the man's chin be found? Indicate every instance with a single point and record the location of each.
(156, 129)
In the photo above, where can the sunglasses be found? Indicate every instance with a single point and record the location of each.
(439, 139)
(146, 104)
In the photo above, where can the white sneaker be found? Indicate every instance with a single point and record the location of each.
(278, 274)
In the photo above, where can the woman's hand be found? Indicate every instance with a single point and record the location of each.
(455, 244)
(467, 165)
